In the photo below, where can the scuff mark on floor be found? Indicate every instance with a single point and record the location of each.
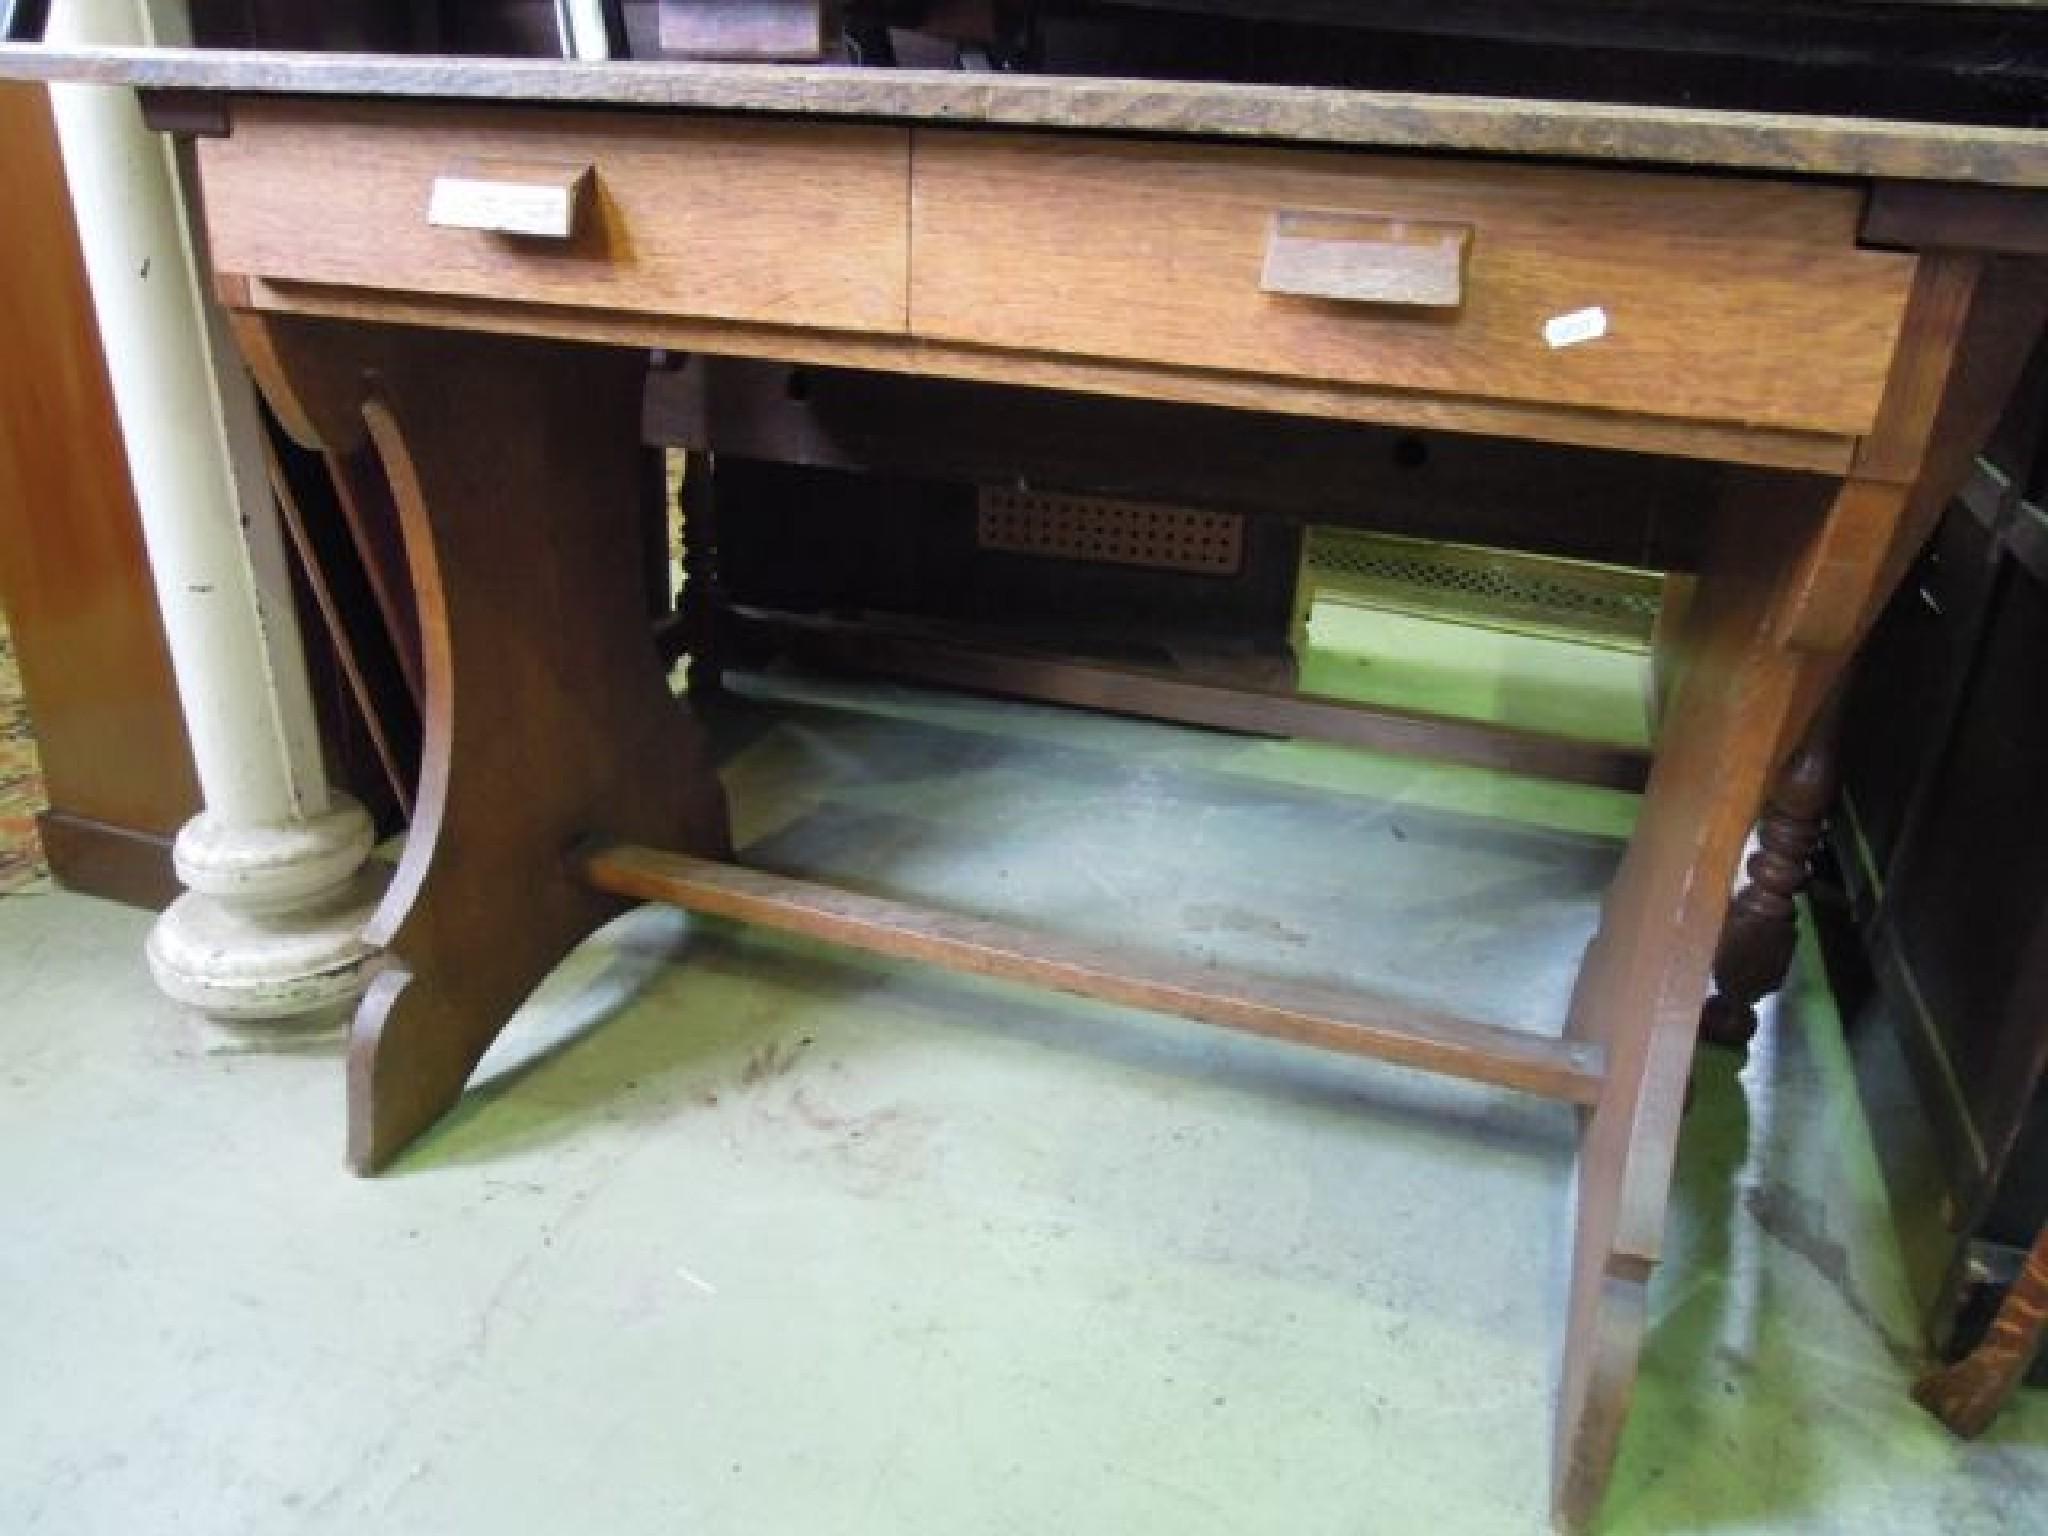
(1798, 1223)
(1218, 917)
(774, 1059)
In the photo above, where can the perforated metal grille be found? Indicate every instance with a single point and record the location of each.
(1097, 528)
(1528, 592)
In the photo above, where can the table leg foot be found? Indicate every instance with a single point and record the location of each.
(515, 469)
(1967, 1395)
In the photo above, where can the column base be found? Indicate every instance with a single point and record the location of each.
(270, 929)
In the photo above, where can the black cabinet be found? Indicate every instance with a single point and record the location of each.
(1939, 952)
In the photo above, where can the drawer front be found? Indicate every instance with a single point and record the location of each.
(722, 219)
(1672, 295)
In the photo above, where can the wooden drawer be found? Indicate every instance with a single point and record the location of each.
(1723, 299)
(712, 218)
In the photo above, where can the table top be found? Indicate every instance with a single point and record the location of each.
(1674, 136)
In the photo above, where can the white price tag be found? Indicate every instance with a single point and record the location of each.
(1580, 325)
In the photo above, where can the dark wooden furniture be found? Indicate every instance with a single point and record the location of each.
(1785, 314)
(1940, 951)
(838, 517)
(73, 575)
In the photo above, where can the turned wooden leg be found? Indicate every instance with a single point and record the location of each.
(1762, 932)
(1638, 995)
(515, 468)
(1967, 1395)
(1969, 329)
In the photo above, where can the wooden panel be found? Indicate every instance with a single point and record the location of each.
(1902, 691)
(696, 217)
(1354, 1023)
(1625, 509)
(813, 541)
(985, 668)
(1720, 300)
(1914, 395)
(73, 574)
(1944, 974)
(113, 863)
(1773, 447)
(1800, 143)
(515, 469)
(1935, 214)
(1972, 884)
(338, 587)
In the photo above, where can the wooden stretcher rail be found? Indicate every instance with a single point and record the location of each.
(1155, 695)
(1355, 1024)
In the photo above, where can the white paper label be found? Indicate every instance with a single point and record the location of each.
(1580, 325)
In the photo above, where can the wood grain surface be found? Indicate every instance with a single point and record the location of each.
(1723, 300)
(549, 730)
(1734, 301)
(1914, 214)
(515, 468)
(1640, 987)
(1353, 1023)
(1794, 143)
(74, 574)
(722, 218)
(1967, 1394)
(1724, 443)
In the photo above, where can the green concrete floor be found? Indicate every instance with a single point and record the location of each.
(738, 1235)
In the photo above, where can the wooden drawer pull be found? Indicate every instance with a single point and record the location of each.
(1363, 259)
(504, 197)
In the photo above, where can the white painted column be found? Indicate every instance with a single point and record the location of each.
(269, 928)
(581, 24)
